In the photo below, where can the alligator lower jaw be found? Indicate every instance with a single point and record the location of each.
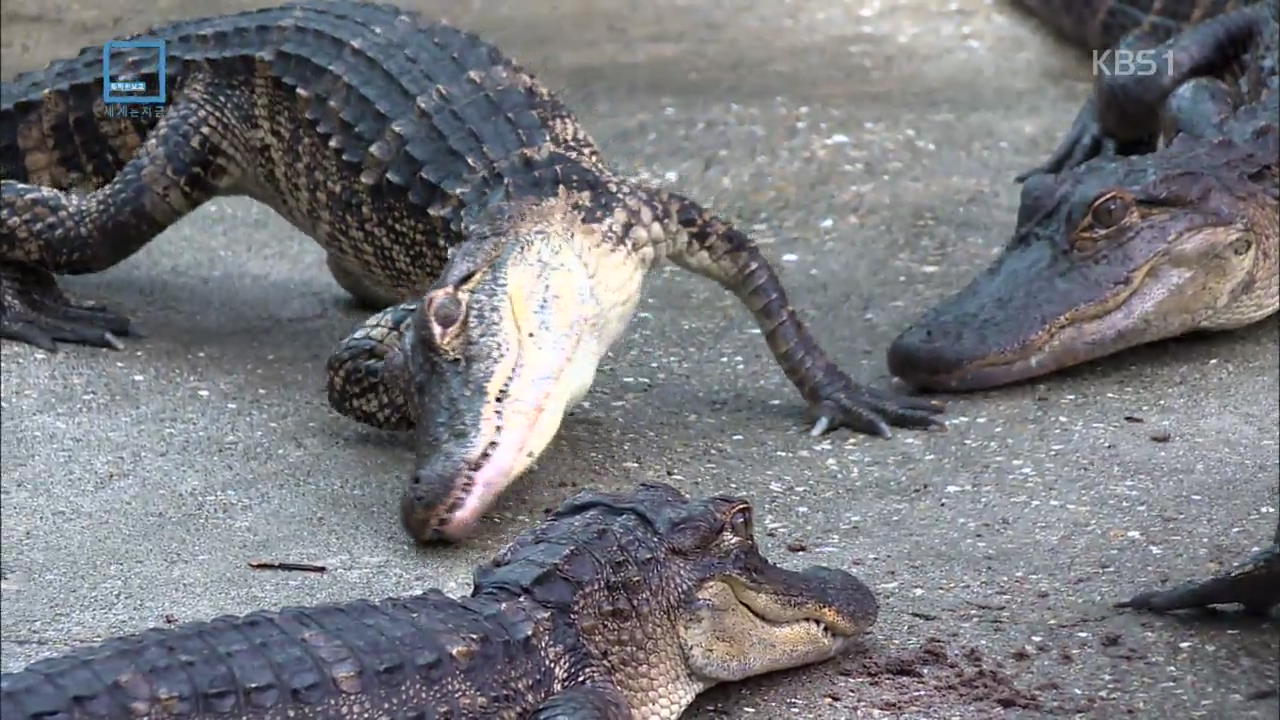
(987, 376)
(1072, 345)
(523, 429)
(736, 636)
(506, 458)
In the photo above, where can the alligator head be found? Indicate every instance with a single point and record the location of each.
(1113, 253)
(504, 342)
(672, 596)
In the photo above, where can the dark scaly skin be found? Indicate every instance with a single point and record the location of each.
(445, 183)
(1255, 584)
(1195, 240)
(619, 606)
(1118, 243)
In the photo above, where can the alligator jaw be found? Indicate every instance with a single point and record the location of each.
(524, 400)
(1077, 337)
(536, 302)
(772, 619)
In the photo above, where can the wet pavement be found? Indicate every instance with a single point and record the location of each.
(870, 146)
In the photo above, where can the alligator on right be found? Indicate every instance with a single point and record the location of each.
(1158, 215)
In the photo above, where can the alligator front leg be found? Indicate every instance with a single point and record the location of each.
(35, 311)
(584, 702)
(711, 247)
(1255, 584)
(46, 231)
(1124, 114)
(368, 376)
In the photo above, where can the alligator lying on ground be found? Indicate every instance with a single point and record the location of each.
(448, 187)
(619, 606)
(1118, 243)
(1123, 240)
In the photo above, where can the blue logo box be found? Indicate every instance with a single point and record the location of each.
(112, 91)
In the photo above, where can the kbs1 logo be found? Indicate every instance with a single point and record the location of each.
(133, 90)
(1121, 62)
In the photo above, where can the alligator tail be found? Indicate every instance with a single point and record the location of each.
(318, 660)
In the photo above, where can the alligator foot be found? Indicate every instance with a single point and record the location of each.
(1085, 140)
(1254, 584)
(34, 310)
(844, 403)
(368, 378)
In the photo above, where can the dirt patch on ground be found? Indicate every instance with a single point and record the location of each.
(932, 676)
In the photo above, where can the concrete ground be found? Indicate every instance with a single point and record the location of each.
(871, 146)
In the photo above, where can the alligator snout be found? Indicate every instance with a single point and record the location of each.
(931, 356)
(922, 356)
(436, 505)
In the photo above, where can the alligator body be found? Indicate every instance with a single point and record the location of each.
(1157, 216)
(617, 607)
(451, 191)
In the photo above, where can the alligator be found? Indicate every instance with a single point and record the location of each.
(452, 192)
(1155, 217)
(618, 606)
(1158, 215)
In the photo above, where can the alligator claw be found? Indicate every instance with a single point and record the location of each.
(821, 426)
(34, 310)
(868, 410)
(1255, 584)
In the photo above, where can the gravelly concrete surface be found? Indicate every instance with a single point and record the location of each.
(871, 146)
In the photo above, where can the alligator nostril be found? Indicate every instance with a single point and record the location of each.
(920, 353)
(427, 504)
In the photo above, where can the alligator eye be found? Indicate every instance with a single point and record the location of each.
(1240, 246)
(445, 310)
(1110, 211)
(440, 319)
(740, 524)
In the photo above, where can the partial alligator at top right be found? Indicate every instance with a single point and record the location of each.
(1157, 215)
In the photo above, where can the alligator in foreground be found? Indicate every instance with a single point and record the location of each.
(448, 187)
(617, 607)
(1121, 240)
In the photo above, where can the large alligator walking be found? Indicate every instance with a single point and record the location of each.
(1159, 214)
(618, 607)
(449, 188)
